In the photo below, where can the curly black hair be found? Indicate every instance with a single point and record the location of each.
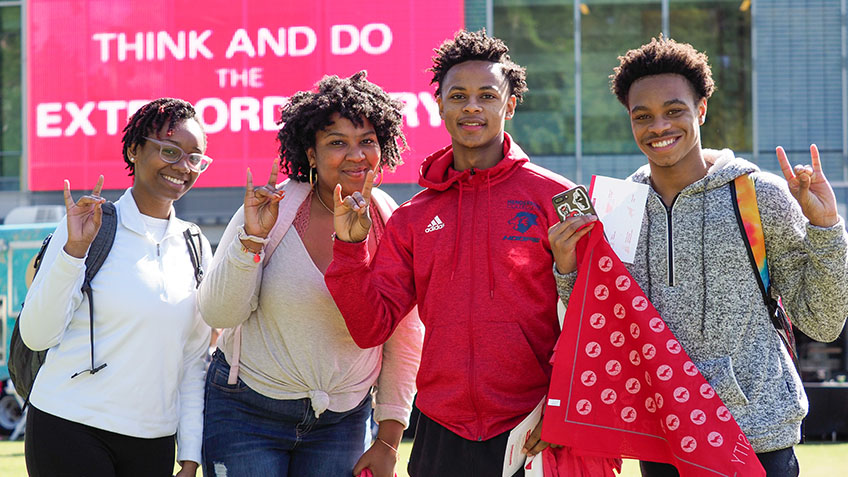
(661, 56)
(152, 117)
(354, 98)
(470, 46)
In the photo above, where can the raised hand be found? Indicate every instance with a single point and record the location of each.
(350, 215)
(810, 188)
(563, 238)
(261, 204)
(84, 218)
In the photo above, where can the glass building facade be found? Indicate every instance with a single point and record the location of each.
(570, 120)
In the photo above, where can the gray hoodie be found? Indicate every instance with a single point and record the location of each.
(692, 263)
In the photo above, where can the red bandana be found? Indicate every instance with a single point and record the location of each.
(623, 386)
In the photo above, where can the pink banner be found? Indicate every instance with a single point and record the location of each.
(92, 64)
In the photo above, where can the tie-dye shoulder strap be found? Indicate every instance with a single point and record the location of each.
(748, 215)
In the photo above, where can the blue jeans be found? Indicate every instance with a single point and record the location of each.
(246, 434)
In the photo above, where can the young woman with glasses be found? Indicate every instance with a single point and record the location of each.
(120, 417)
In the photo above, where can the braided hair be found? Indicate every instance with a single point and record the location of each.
(470, 46)
(151, 118)
(353, 98)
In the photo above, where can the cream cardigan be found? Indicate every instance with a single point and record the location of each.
(294, 341)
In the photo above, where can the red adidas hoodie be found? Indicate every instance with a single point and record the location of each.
(472, 252)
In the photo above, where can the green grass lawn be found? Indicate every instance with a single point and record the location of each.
(817, 460)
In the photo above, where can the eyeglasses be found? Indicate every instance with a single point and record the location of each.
(172, 154)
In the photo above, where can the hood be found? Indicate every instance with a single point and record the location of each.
(437, 170)
(724, 168)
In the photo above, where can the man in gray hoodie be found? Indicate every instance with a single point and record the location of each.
(692, 260)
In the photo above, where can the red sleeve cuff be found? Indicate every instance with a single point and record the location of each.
(350, 253)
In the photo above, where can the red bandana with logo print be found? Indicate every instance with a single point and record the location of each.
(623, 386)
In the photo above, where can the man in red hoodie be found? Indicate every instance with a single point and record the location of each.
(472, 251)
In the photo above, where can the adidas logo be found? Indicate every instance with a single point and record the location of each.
(435, 224)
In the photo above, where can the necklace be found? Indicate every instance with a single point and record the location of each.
(322, 203)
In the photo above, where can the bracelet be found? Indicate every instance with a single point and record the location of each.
(388, 445)
(242, 235)
(256, 257)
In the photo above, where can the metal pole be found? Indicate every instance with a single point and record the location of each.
(24, 175)
(578, 97)
(844, 96)
(755, 111)
(490, 17)
(665, 28)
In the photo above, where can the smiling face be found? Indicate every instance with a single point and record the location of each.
(475, 103)
(343, 154)
(158, 184)
(666, 120)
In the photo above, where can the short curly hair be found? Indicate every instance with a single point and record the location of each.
(470, 46)
(661, 56)
(152, 117)
(353, 98)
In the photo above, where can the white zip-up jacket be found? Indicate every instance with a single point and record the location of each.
(146, 329)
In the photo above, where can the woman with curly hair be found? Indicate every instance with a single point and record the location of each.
(288, 392)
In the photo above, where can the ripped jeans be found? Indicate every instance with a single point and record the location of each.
(246, 434)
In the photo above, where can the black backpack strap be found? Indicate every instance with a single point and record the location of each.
(97, 253)
(195, 251)
(36, 264)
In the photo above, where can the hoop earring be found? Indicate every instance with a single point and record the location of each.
(381, 178)
(311, 172)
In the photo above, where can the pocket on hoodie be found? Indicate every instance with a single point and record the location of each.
(782, 393)
(719, 373)
(505, 361)
(444, 358)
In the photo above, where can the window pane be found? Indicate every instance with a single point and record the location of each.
(540, 36)
(721, 30)
(609, 29)
(11, 135)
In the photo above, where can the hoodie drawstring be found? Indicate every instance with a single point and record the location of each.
(704, 256)
(489, 239)
(648, 251)
(489, 235)
(458, 232)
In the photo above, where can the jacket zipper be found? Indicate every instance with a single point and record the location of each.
(670, 239)
(471, 380)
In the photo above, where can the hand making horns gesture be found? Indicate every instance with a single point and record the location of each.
(84, 217)
(350, 215)
(810, 188)
(262, 203)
